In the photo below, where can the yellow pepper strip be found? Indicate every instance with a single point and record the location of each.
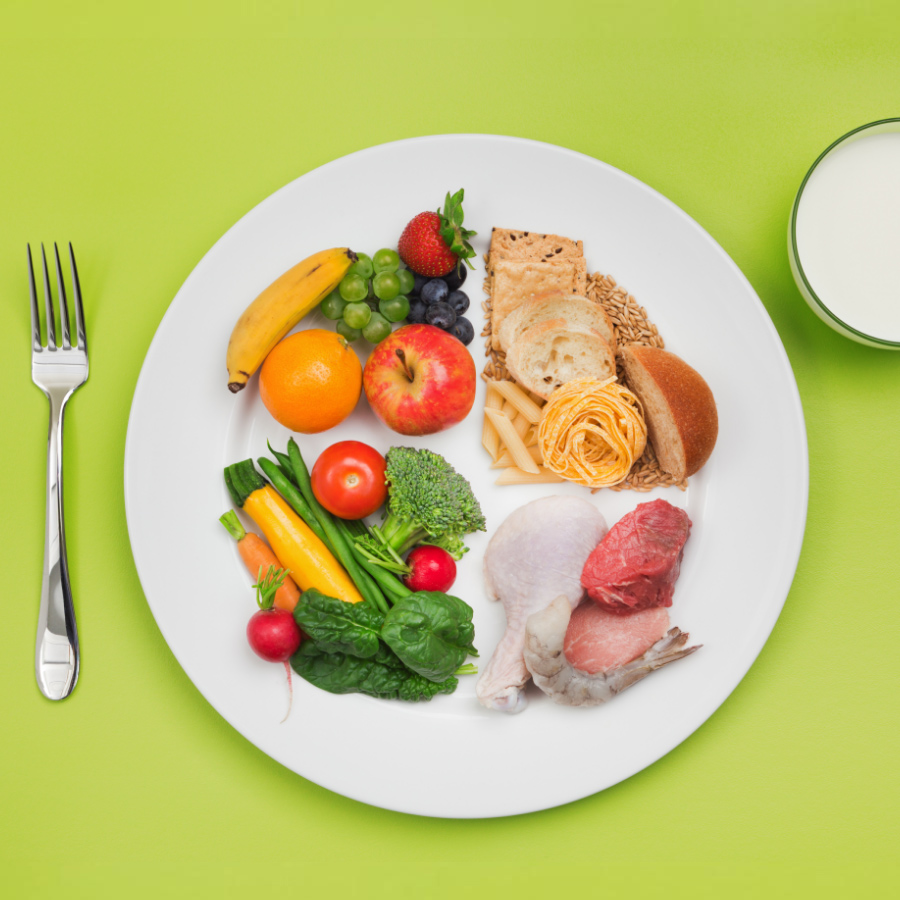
(310, 563)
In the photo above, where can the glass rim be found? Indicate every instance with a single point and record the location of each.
(795, 250)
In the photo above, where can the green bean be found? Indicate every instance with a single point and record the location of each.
(343, 549)
(286, 488)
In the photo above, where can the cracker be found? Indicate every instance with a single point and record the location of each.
(506, 243)
(516, 280)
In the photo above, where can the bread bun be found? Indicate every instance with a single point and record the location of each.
(555, 352)
(575, 309)
(682, 421)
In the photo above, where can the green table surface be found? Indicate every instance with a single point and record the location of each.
(142, 136)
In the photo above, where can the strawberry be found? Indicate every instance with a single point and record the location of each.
(434, 242)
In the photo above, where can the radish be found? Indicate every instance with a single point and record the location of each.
(272, 633)
(432, 569)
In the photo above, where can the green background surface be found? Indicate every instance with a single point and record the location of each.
(141, 137)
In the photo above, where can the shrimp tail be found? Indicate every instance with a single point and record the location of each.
(666, 650)
(564, 684)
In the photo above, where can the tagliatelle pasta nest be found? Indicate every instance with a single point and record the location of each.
(591, 432)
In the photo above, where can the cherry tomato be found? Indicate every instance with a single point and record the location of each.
(348, 479)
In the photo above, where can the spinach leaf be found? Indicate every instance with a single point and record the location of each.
(383, 675)
(431, 632)
(339, 627)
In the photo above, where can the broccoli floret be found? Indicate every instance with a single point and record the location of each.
(428, 502)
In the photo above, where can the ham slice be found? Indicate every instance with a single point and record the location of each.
(598, 640)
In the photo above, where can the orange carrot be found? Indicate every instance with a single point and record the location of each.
(257, 557)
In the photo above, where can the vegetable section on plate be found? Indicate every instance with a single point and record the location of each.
(358, 627)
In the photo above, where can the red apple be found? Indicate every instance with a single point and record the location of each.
(420, 380)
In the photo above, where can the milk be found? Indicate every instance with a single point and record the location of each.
(848, 234)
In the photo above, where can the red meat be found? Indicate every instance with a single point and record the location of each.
(598, 640)
(636, 565)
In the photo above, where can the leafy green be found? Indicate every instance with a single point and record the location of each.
(339, 627)
(431, 632)
(382, 675)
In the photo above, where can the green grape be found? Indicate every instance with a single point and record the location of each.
(407, 281)
(377, 329)
(333, 305)
(395, 310)
(386, 260)
(386, 285)
(343, 329)
(353, 287)
(362, 266)
(357, 315)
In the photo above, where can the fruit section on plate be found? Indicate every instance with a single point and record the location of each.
(354, 601)
(376, 292)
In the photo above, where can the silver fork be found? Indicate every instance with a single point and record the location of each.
(58, 370)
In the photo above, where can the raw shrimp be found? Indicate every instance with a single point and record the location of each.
(545, 633)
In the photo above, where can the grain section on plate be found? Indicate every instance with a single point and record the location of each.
(631, 325)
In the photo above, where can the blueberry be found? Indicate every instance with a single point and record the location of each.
(434, 291)
(416, 314)
(419, 282)
(441, 315)
(456, 276)
(459, 300)
(463, 330)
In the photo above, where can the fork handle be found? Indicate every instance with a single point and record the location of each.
(57, 656)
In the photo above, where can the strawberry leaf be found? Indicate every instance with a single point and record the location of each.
(455, 236)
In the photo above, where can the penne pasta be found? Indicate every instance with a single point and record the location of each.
(512, 393)
(505, 458)
(512, 441)
(515, 475)
(494, 399)
(522, 425)
(490, 439)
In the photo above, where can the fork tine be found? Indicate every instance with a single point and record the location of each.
(63, 307)
(79, 311)
(48, 305)
(35, 313)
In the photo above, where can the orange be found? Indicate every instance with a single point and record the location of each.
(311, 380)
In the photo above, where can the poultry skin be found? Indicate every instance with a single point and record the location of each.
(536, 555)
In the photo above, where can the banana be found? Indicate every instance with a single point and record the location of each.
(279, 308)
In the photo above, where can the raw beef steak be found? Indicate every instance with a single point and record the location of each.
(636, 565)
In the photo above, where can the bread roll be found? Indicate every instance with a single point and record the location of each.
(555, 352)
(575, 309)
(682, 421)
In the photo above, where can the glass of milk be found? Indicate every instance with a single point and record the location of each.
(844, 235)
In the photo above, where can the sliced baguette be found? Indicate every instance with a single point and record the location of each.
(682, 421)
(555, 352)
(574, 308)
(515, 280)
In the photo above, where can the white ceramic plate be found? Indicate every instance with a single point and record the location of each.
(450, 757)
